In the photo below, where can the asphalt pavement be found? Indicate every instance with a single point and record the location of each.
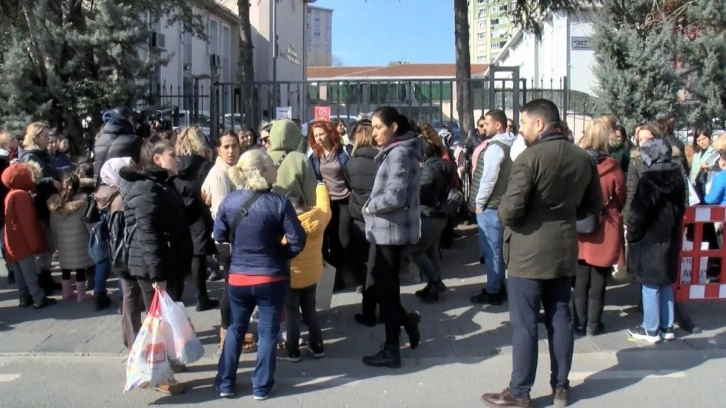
(68, 355)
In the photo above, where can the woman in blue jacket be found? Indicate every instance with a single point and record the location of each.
(255, 221)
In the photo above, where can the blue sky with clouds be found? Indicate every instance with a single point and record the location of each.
(375, 32)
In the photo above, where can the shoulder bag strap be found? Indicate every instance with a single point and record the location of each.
(282, 159)
(243, 211)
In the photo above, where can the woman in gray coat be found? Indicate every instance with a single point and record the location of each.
(392, 223)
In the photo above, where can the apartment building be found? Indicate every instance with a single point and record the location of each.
(489, 29)
(319, 23)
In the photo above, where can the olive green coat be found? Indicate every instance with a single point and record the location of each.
(552, 184)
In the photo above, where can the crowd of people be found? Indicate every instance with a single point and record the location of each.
(272, 208)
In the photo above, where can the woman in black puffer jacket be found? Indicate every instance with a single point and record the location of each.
(436, 177)
(160, 246)
(196, 161)
(360, 172)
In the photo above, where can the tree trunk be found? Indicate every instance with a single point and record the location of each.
(247, 68)
(463, 68)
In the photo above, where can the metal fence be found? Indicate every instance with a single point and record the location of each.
(219, 106)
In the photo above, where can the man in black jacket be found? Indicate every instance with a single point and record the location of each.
(118, 138)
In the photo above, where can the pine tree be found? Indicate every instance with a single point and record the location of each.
(704, 56)
(64, 60)
(635, 62)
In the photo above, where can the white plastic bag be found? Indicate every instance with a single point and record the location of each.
(148, 362)
(324, 291)
(182, 343)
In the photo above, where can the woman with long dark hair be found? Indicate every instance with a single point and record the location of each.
(392, 223)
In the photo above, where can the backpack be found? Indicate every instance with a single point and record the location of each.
(119, 239)
(98, 243)
(454, 198)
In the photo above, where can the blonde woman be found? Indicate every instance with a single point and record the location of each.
(195, 163)
(599, 251)
(259, 274)
(35, 151)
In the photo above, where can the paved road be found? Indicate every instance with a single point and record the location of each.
(465, 350)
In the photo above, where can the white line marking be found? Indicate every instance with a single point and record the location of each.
(6, 378)
(319, 380)
(625, 375)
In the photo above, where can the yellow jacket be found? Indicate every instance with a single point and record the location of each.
(306, 269)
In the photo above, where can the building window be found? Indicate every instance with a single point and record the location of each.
(481, 60)
(481, 14)
(225, 52)
(479, 1)
(432, 91)
(213, 36)
(482, 25)
(494, 21)
(481, 37)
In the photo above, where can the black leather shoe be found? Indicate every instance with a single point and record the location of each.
(505, 399)
(365, 321)
(389, 357)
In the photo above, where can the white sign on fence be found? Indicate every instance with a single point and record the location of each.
(283, 112)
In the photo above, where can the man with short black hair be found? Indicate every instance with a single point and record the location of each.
(492, 176)
(552, 184)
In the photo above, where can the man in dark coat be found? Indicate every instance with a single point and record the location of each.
(552, 184)
(118, 139)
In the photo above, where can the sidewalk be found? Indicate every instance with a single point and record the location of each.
(452, 330)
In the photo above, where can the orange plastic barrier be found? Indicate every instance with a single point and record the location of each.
(692, 283)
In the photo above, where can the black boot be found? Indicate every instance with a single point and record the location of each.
(411, 327)
(422, 293)
(389, 356)
(369, 321)
(101, 301)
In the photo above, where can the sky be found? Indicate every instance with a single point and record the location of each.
(375, 32)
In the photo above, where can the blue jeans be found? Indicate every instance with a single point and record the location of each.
(657, 306)
(492, 229)
(269, 298)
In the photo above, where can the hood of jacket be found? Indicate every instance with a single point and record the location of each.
(132, 174)
(115, 124)
(506, 138)
(596, 155)
(367, 152)
(105, 195)
(190, 165)
(34, 155)
(313, 222)
(664, 178)
(19, 177)
(284, 136)
(56, 206)
(409, 141)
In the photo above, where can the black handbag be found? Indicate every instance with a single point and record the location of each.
(591, 223)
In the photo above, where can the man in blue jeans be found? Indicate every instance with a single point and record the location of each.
(492, 186)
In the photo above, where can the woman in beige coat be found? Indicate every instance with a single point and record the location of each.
(71, 235)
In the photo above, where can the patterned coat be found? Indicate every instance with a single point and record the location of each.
(392, 211)
(70, 233)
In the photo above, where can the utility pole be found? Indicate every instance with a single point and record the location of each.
(275, 53)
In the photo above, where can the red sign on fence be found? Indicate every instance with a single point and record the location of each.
(322, 113)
